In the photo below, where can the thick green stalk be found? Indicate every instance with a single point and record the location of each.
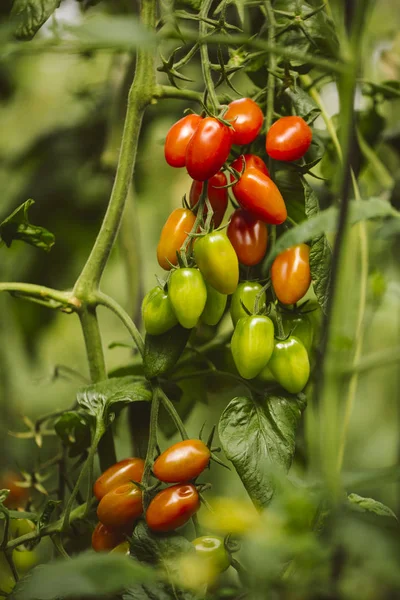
(205, 61)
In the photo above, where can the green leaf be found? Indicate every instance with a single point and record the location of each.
(158, 550)
(370, 505)
(161, 352)
(17, 227)
(304, 106)
(320, 252)
(258, 436)
(291, 188)
(158, 591)
(101, 399)
(20, 514)
(326, 222)
(73, 429)
(30, 15)
(85, 575)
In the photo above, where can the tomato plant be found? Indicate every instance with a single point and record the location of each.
(182, 461)
(172, 508)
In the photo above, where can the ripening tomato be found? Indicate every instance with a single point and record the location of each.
(208, 149)
(105, 538)
(19, 489)
(217, 261)
(217, 195)
(258, 194)
(124, 471)
(252, 344)
(245, 294)
(290, 274)
(173, 235)
(249, 236)
(172, 507)
(288, 139)
(246, 161)
(188, 295)
(246, 118)
(157, 312)
(215, 306)
(182, 461)
(121, 506)
(24, 560)
(178, 138)
(289, 364)
(212, 549)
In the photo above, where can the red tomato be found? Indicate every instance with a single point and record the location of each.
(124, 471)
(259, 195)
(246, 118)
(217, 195)
(172, 507)
(173, 235)
(288, 139)
(18, 496)
(120, 507)
(105, 538)
(182, 461)
(251, 160)
(208, 149)
(178, 138)
(249, 236)
(290, 274)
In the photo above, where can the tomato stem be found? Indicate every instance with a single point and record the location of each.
(205, 60)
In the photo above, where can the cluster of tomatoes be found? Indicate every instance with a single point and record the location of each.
(120, 496)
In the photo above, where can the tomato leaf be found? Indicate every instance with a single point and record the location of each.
(361, 504)
(320, 252)
(304, 106)
(161, 352)
(258, 437)
(158, 550)
(291, 188)
(158, 591)
(85, 575)
(30, 15)
(18, 227)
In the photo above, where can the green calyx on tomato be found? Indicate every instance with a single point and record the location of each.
(215, 306)
(158, 314)
(245, 294)
(212, 549)
(188, 296)
(217, 261)
(217, 195)
(289, 364)
(252, 345)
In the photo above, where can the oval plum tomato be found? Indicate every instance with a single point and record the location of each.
(172, 507)
(252, 345)
(288, 139)
(178, 138)
(173, 235)
(105, 538)
(208, 149)
(215, 306)
(290, 274)
(212, 549)
(246, 118)
(157, 312)
(258, 194)
(217, 261)
(300, 325)
(188, 295)
(18, 487)
(124, 471)
(217, 195)
(121, 506)
(245, 293)
(249, 236)
(246, 161)
(289, 364)
(182, 461)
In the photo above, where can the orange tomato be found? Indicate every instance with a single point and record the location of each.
(173, 235)
(290, 274)
(182, 461)
(124, 471)
(106, 538)
(120, 507)
(172, 507)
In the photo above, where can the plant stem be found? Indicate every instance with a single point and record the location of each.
(205, 61)
(168, 91)
(152, 445)
(124, 317)
(53, 298)
(271, 66)
(170, 408)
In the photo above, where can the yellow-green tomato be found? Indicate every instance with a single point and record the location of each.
(123, 548)
(215, 306)
(20, 527)
(212, 549)
(218, 262)
(289, 364)
(188, 295)
(7, 581)
(158, 314)
(25, 560)
(266, 375)
(245, 292)
(252, 345)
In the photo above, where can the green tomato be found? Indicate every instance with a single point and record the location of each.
(289, 364)
(299, 325)
(215, 306)
(218, 262)
(7, 581)
(20, 527)
(212, 549)
(25, 560)
(188, 295)
(158, 314)
(266, 375)
(246, 292)
(123, 548)
(252, 345)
